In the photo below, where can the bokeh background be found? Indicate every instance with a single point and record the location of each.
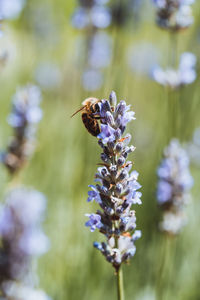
(44, 46)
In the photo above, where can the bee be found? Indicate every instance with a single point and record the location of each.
(90, 115)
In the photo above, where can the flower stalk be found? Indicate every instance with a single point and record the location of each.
(120, 284)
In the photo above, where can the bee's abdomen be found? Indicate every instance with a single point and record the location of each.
(91, 124)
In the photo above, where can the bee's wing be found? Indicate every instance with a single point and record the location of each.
(90, 100)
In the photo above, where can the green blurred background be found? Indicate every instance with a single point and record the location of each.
(66, 158)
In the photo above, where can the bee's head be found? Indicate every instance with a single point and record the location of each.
(92, 108)
(96, 107)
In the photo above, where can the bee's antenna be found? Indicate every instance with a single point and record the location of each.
(78, 111)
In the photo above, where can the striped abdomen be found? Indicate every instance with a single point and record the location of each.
(91, 124)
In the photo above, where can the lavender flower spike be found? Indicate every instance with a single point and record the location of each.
(21, 240)
(175, 182)
(26, 114)
(117, 187)
(174, 15)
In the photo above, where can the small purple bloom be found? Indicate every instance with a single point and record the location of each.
(94, 194)
(137, 235)
(107, 134)
(164, 191)
(126, 118)
(133, 197)
(94, 222)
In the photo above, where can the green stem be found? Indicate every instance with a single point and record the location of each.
(120, 286)
(172, 95)
(173, 50)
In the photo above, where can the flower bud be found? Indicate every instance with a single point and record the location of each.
(113, 171)
(109, 118)
(121, 107)
(113, 98)
(104, 172)
(123, 175)
(118, 188)
(121, 160)
(104, 157)
(117, 134)
(119, 147)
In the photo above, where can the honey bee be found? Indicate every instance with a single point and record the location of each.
(90, 115)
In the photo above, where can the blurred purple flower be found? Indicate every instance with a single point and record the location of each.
(100, 50)
(175, 182)
(174, 15)
(174, 79)
(96, 15)
(14, 290)
(10, 9)
(21, 235)
(25, 115)
(26, 106)
(164, 192)
(101, 17)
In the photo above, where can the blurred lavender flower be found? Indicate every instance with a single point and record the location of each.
(94, 15)
(17, 291)
(98, 57)
(21, 236)
(175, 182)
(174, 15)
(174, 79)
(100, 51)
(25, 115)
(10, 9)
(117, 187)
(91, 13)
